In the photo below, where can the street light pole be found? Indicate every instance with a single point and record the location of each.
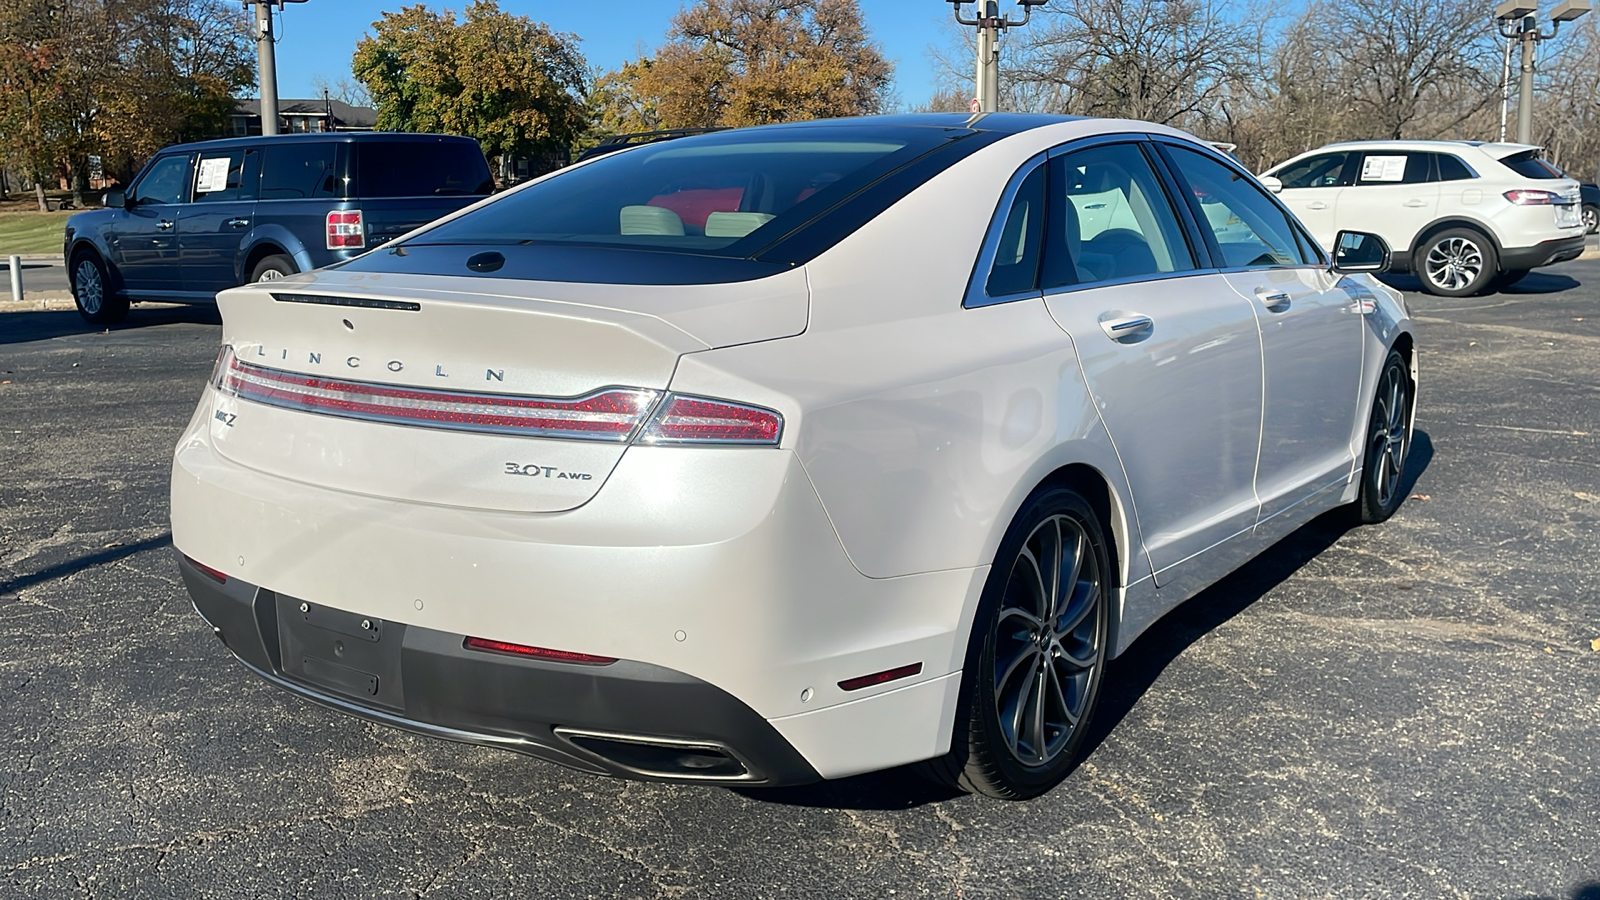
(1516, 20)
(989, 22)
(267, 66)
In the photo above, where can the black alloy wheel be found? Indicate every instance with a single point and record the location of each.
(1037, 654)
(1388, 442)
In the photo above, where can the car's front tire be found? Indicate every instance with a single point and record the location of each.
(1456, 262)
(1591, 219)
(91, 291)
(1037, 654)
(273, 268)
(1388, 442)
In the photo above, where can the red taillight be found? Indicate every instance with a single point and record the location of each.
(213, 574)
(345, 230)
(609, 415)
(697, 420)
(856, 684)
(1523, 197)
(565, 656)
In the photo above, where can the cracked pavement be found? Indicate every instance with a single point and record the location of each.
(1411, 709)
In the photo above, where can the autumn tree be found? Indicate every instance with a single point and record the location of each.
(748, 62)
(508, 81)
(118, 79)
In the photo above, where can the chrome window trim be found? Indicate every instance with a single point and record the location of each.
(1131, 279)
(977, 293)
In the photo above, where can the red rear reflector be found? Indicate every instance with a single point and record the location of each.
(345, 230)
(213, 574)
(565, 656)
(856, 684)
(696, 420)
(610, 415)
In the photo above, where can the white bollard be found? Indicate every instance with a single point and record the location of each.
(16, 278)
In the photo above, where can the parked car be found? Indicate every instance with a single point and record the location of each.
(1464, 216)
(786, 453)
(203, 217)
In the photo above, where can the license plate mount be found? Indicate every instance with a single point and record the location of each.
(340, 652)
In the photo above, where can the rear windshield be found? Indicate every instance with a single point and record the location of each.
(722, 194)
(420, 169)
(1529, 165)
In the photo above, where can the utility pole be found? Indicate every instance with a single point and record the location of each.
(989, 22)
(267, 62)
(1517, 21)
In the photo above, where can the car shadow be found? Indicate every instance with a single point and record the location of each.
(43, 325)
(1130, 675)
(78, 564)
(1589, 890)
(1539, 282)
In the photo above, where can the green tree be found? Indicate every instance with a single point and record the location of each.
(749, 62)
(508, 81)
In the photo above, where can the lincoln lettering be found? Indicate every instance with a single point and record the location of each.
(355, 362)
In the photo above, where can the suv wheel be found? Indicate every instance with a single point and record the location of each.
(1457, 262)
(272, 268)
(1591, 219)
(91, 291)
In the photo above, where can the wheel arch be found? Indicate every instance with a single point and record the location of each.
(257, 253)
(1446, 223)
(84, 245)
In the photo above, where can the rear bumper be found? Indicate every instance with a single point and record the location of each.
(1544, 253)
(427, 682)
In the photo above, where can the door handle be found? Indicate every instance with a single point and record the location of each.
(1415, 204)
(1316, 204)
(238, 223)
(1127, 328)
(1277, 301)
(163, 224)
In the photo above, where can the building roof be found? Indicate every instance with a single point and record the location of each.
(343, 113)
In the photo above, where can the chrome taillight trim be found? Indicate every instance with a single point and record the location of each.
(524, 416)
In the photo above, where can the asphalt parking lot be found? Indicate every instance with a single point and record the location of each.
(1407, 710)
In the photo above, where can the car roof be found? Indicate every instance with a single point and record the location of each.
(1492, 148)
(363, 137)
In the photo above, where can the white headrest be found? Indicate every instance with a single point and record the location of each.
(650, 220)
(734, 224)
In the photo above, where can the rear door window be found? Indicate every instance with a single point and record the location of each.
(1394, 167)
(1110, 219)
(226, 175)
(1016, 256)
(301, 170)
(420, 169)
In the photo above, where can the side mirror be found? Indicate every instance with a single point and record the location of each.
(1271, 183)
(1358, 251)
(114, 199)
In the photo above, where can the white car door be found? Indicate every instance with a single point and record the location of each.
(1170, 353)
(1394, 196)
(1311, 336)
(1312, 188)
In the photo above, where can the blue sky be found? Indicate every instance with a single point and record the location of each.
(317, 37)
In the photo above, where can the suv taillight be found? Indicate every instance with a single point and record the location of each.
(345, 230)
(1523, 197)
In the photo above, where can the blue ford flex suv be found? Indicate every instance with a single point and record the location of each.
(207, 216)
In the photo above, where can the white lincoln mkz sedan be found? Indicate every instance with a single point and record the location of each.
(787, 453)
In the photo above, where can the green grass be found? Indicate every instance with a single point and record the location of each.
(31, 233)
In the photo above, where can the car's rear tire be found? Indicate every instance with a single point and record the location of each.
(1388, 442)
(1456, 262)
(1591, 219)
(91, 291)
(272, 268)
(1037, 654)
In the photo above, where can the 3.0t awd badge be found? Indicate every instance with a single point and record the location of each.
(533, 470)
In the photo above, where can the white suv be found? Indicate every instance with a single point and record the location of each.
(1464, 216)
